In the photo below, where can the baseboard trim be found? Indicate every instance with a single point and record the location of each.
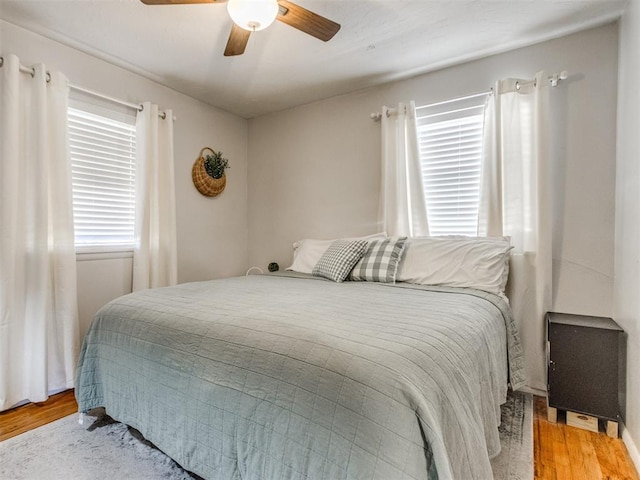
(631, 447)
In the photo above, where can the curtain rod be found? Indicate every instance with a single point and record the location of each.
(553, 80)
(392, 111)
(466, 97)
(93, 93)
(136, 106)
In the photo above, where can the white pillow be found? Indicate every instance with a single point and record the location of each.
(307, 252)
(474, 262)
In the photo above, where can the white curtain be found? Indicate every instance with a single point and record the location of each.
(155, 251)
(403, 208)
(516, 201)
(38, 299)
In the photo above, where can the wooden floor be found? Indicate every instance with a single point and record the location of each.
(560, 452)
(22, 419)
(569, 453)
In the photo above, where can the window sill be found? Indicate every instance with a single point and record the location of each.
(100, 254)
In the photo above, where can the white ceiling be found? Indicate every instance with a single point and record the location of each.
(181, 46)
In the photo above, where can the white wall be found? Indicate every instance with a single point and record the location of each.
(314, 169)
(212, 232)
(627, 261)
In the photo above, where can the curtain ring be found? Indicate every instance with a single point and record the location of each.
(517, 85)
(1, 61)
(48, 77)
(164, 115)
(141, 108)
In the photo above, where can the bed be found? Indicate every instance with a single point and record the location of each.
(290, 376)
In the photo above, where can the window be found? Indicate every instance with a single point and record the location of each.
(450, 141)
(103, 149)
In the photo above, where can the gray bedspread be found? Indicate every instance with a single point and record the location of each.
(278, 377)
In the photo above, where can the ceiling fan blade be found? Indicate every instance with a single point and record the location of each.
(237, 42)
(179, 2)
(306, 21)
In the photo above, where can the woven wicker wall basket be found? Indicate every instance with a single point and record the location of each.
(206, 184)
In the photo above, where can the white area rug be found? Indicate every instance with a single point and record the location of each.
(104, 450)
(515, 460)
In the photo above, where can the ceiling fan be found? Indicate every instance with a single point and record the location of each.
(254, 15)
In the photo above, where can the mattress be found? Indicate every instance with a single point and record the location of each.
(289, 376)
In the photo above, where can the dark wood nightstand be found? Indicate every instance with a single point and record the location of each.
(586, 359)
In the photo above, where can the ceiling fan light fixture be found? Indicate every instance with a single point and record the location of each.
(253, 15)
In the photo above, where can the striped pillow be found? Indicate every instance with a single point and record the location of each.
(380, 261)
(336, 263)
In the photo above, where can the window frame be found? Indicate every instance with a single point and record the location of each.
(109, 113)
(450, 141)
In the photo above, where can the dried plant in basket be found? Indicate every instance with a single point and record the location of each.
(208, 172)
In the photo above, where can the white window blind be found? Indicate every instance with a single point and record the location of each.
(103, 150)
(450, 139)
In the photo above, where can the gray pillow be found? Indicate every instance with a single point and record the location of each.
(336, 263)
(380, 261)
